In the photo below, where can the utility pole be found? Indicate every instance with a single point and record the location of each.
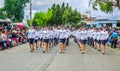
(89, 12)
(30, 12)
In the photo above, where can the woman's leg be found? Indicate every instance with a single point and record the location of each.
(61, 47)
(103, 49)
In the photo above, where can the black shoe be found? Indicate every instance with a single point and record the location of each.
(80, 49)
(43, 51)
(83, 52)
(103, 53)
(60, 52)
(31, 51)
(98, 49)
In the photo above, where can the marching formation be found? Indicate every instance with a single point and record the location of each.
(94, 37)
(48, 37)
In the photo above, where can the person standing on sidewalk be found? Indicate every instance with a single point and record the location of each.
(114, 38)
(31, 36)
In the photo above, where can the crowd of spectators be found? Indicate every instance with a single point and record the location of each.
(11, 36)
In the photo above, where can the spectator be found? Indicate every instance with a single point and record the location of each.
(114, 38)
(4, 39)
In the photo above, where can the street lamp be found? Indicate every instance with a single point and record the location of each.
(30, 12)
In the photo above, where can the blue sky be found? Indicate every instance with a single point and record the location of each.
(81, 5)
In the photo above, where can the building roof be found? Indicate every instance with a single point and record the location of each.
(1, 20)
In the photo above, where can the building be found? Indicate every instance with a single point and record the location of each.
(102, 22)
(4, 22)
(93, 22)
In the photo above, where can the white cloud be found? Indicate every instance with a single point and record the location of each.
(1, 3)
(81, 5)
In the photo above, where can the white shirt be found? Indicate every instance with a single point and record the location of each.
(62, 34)
(31, 33)
(46, 34)
(40, 34)
(98, 35)
(91, 33)
(83, 35)
(78, 34)
(94, 35)
(104, 35)
(36, 34)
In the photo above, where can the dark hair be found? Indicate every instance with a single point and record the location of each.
(3, 31)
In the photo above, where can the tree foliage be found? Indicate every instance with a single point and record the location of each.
(78, 25)
(58, 15)
(13, 9)
(41, 18)
(106, 5)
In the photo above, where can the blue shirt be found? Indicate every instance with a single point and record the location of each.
(115, 34)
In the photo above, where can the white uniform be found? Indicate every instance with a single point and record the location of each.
(91, 33)
(40, 34)
(94, 35)
(56, 33)
(78, 35)
(36, 34)
(51, 36)
(83, 35)
(62, 34)
(31, 33)
(46, 34)
(104, 35)
(68, 33)
(98, 36)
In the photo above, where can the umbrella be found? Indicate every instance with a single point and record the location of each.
(20, 25)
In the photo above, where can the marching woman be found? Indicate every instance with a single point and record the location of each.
(83, 39)
(78, 35)
(45, 39)
(36, 38)
(55, 35)
(95, 37)
(68, 34)
(31, 36)
(40, 37)
(62, 38)
(104, 37)
(98, 39)
(50, 38)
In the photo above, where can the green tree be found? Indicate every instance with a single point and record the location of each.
(57, 15)
(14, 9)
(63, 14)
(42, 18)
(106, 5)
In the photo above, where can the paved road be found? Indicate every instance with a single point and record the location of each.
(20, 59)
